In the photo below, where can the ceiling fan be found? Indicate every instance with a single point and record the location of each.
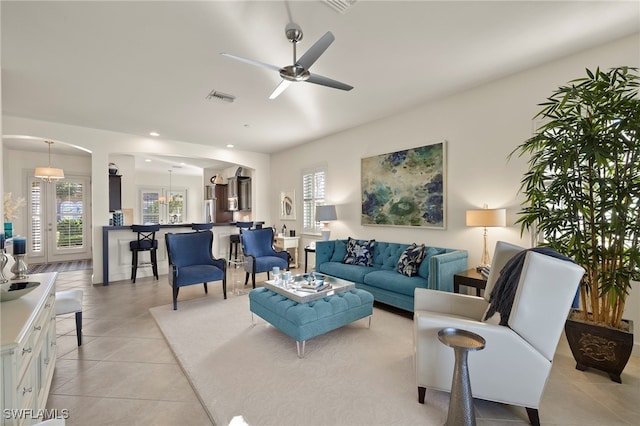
(299, 71)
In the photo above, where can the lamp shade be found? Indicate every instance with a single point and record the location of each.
(326, 213)
(49, 173)
(487, 217)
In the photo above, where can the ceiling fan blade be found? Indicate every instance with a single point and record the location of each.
(252, 62)
(280, 88)
(314, 52)
(326, 81)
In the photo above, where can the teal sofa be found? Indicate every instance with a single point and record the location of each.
(382, 279)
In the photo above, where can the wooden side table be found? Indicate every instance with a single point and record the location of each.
(469, 278)
(286, 243)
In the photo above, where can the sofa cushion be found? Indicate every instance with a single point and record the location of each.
(423, 269)
(395, 282)
(339, 251)
(359, 252)
(353, 273)
(410, 260)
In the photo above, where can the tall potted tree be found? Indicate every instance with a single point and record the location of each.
(582, 196)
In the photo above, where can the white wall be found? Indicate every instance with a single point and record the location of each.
(481, 127)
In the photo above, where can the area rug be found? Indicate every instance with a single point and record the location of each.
(75, 265)
(350, 376)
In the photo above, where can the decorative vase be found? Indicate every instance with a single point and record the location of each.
(597, 346)
(8, 230)
(3, 262)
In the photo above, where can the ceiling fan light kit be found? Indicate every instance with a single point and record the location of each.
(299, 70)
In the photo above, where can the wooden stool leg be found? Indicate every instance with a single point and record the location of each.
(134, 265)
(154, 263)
(79, 327)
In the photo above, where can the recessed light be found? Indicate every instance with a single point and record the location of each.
(147, 160)
(229, 145)
(155, 134)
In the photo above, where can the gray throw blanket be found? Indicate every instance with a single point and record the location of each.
(504, 292)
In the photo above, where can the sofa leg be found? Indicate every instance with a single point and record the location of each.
(534, 418)
(206, 290)
(421, 393)
(253, 279)
(246, 278)
(300, 348)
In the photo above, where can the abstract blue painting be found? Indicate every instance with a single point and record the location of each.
(405, 188)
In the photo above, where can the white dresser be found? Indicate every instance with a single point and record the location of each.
(28, 335)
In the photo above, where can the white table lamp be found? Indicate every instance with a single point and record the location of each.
(325, 214)
(486, 218)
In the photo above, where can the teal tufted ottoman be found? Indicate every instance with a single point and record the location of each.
(304, 321)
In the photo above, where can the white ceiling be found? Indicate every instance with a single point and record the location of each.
(136, 67)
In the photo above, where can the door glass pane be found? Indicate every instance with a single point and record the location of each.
(37, 203)
(176, 206)
(69, 208)
(150, 206)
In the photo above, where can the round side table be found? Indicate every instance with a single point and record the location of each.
(461, 400)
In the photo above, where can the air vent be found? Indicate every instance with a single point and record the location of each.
(340, 6)
(219, 96)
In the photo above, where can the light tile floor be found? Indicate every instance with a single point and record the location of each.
(125, 373)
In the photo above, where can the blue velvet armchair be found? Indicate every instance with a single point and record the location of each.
(259, 254)
(191, 262)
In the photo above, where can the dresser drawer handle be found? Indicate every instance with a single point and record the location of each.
(47, 305)
(26, 351)
(25, 390)
(38, 328)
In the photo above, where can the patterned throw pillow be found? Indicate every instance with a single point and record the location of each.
(359, 252)
(410, 259)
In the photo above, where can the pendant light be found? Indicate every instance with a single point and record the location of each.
(49, 174)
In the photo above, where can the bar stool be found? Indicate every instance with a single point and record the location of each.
(70, 302)
(201, 226)
(234, 240)
(146, 242)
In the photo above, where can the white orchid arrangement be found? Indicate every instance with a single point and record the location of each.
(11, 206)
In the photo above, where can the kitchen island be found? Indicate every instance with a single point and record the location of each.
(116, 255)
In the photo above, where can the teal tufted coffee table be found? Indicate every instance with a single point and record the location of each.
(304, 321)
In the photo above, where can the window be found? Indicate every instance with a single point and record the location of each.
(159, 205)
(313, 193)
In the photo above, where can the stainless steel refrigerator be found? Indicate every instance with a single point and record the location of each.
(209, 211)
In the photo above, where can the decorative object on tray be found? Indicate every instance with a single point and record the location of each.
(405, 188)
(12, 291)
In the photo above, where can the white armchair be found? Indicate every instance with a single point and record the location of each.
(514, 366)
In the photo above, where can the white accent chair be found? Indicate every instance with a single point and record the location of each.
(515, 364)
(69, 302)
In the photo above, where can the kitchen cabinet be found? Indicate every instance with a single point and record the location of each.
(28, 352)
(222, 207)
(240, 189)
(115, 192)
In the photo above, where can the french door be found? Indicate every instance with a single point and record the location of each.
(59, 220)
